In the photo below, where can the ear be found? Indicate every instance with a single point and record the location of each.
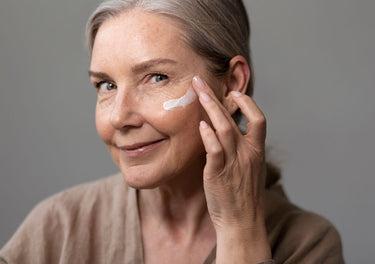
(237, 79)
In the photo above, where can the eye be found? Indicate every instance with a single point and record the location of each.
(158, 77)
(105, 86)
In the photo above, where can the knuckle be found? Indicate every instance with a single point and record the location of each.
(260, 121)
(216, 151)
(225, 130)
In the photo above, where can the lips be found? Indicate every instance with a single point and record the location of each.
(139, 145)
(140, 148)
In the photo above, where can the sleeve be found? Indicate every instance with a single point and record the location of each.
(37, 240)
(308, 238)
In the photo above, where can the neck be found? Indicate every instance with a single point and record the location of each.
(177, 207)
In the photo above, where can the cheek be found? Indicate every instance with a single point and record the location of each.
(183, 101)
(103, 125)
(186, 143)
(183, 121)
(171, 111)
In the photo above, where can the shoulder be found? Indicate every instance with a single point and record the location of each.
(98, 188)
(105, 189)
(80, 200)
(299, 236)
(63, 220)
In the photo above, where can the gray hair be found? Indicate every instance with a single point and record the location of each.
(217, 30)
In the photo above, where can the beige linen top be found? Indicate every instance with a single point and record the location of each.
(98, 222)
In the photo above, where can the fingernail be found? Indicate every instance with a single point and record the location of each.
(199, 82)
(236, 93)
(205, 96)
(203, 125)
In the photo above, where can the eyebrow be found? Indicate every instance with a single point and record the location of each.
(100, 75)
(143, 66)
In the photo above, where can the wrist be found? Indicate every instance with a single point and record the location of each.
(243, 246)
(247, 223)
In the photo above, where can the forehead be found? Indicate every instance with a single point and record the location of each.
(138, 34)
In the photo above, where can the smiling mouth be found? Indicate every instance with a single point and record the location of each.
(140, 148)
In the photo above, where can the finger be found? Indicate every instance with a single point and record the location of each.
(256, 127)
(200, 85)
(224, 128)
(215, 153)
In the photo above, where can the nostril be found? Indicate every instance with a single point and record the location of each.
(125, 111)
(125, 118)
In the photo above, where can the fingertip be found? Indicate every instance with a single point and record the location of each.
(236, 93)
(203, 125)
(198, 82)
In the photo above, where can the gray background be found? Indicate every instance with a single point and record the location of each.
(314, 67)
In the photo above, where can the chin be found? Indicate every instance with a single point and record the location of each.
(137, 179)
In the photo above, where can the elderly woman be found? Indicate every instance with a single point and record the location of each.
(172, 78)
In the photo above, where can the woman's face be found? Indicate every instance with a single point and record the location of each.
(139, 62)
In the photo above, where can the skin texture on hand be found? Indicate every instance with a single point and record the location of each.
(234, 177)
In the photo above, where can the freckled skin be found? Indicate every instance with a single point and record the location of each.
(134, 112)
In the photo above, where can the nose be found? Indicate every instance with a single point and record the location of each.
(124, 110)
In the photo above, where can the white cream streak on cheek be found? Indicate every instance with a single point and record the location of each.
(183, 101)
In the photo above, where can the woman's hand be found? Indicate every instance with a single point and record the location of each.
(234, 177)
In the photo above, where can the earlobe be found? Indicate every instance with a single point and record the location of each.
(237, 80)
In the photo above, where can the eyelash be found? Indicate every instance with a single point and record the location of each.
(152, 75)
(164, 76)
(98, 84)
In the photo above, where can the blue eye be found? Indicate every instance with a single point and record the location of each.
(157, 77)
(105, 86)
